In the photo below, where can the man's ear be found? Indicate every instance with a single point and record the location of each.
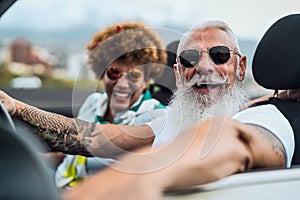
(242, 67)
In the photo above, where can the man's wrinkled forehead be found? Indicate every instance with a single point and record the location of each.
(189, 42)
(201, 38)
(194, 39)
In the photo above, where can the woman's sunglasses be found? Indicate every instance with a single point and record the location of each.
(218, 54)
(133, 75)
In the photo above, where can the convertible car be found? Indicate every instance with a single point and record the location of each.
(25, 176)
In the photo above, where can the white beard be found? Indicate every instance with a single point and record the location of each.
(187, 107)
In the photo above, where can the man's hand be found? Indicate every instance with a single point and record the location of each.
(290, 94)
(283, 94)
(9, 103)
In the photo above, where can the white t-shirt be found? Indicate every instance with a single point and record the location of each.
(266, 116)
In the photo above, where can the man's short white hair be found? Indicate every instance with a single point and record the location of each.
(209, 24)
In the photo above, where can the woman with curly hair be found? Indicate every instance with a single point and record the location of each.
(125, 57)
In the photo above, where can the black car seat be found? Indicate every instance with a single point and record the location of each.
(165, 85)
(276, 66)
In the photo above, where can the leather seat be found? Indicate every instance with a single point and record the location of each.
(276, 66)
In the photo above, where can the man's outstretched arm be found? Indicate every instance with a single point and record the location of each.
(74, 136)
(204, 153)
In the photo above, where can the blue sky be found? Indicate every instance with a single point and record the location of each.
(249, 19)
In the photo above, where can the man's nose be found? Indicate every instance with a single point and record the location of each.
(205, 64)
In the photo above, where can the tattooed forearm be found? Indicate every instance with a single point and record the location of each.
(276, 145)
(74, 136)
(61, 133)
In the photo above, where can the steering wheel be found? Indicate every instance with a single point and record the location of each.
(23, 150)
(5, 119)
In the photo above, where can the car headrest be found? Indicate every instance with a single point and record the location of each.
(171, 52)
(276, 62)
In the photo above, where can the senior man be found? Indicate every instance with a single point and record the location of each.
(257, 137)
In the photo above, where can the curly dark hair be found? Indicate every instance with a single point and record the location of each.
(130, 43)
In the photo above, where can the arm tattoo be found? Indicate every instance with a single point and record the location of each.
(273, 140)
(63, 134)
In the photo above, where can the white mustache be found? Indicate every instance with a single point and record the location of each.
(207, 79)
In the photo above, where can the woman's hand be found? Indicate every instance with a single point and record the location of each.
(9, 103)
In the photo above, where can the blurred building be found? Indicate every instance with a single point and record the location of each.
(24, 58)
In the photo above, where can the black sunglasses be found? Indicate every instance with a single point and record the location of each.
(218, 54)
(133, 75)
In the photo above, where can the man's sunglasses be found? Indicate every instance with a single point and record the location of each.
(133, 75)
(218, 54)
